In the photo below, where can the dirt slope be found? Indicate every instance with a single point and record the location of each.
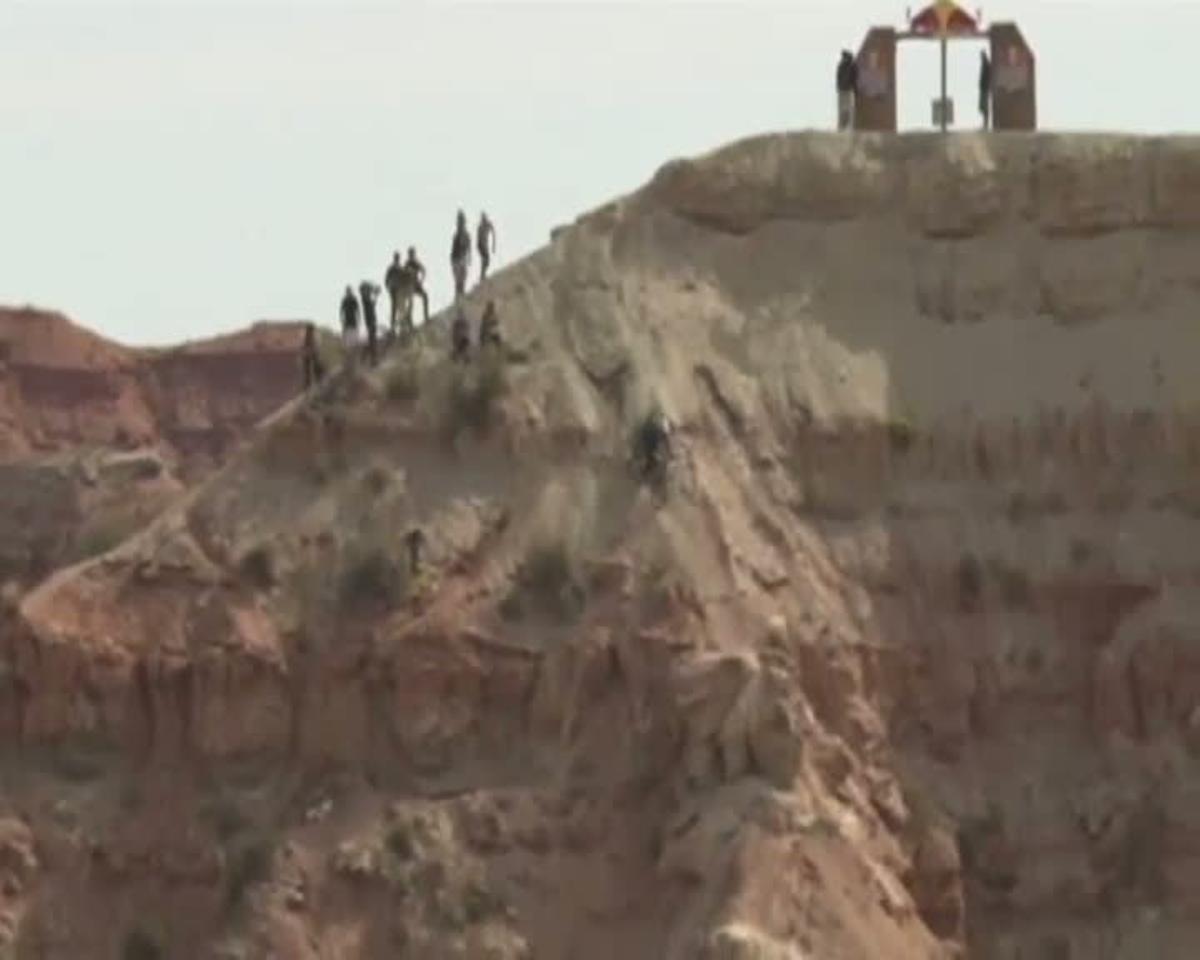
(96, 438)
(900, 665)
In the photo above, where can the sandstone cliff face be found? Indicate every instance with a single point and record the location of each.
(95, 438)
(898, 665)
(63, 388)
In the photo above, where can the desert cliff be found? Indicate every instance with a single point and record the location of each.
(898, 664)
(96, 438)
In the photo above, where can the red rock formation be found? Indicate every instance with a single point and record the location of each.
(63, 388)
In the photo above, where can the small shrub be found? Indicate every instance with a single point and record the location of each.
(901, 435)
(476, 392)
(400, 842)
(226, 817)
(1081, 553)
(258, 567)
(80, 759)
(371, 580)
(548, 578)
(376, 478)
(249, 866)
(1015, 588)
(97, 540)
(479, 903)
(140, 945)
(969, 578)
(403, 383)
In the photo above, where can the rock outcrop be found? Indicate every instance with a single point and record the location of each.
(96, 438)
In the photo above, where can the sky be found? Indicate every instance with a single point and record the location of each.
(174, 169)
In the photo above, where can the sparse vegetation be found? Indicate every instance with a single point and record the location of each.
(80, 759)
(1015, 588)
(258, 566)
(376, 478)
(901, 434)
(476, 390)
(249, 865)
(371, 579)
(400, 842)
(969, 579)
(402, 383)
(226, 816)
(479, 903)
(549, 581)
(99, 538)
(140, 945)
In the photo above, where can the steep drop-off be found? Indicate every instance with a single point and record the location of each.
(898, 665)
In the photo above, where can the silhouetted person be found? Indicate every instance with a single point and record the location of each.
(985, 89)
(460, 338)
(489, 327)
(847, 86)
(395, 280)
(416, 544)
(367, 292)
(350, 323)
(416, 278)
(485, 243)
(310, 358)
(460, 255)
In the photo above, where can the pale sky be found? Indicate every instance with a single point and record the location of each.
(175, 169)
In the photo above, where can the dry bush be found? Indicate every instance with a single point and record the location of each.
(476, 391)
(371, 579)
(140, 945)
(402, 382)
(258, 566)
(901, 435)
(548, 581)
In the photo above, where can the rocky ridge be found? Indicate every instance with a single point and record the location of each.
(898, 665)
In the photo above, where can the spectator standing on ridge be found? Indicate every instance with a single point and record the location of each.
(310, 358)
(350, 323)
(416, 279)
(367, 291)
(395, 281)
(847, 86)
(460, 255)
(985, 89)
(485, 243)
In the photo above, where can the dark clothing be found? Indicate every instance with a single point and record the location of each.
(415, 274)
(310, 361)
(368, 294)
(847, 74)
(460, 246)
(349, 312)
(485, 237)
(985, 90)
(460, 256)
(394, 279)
